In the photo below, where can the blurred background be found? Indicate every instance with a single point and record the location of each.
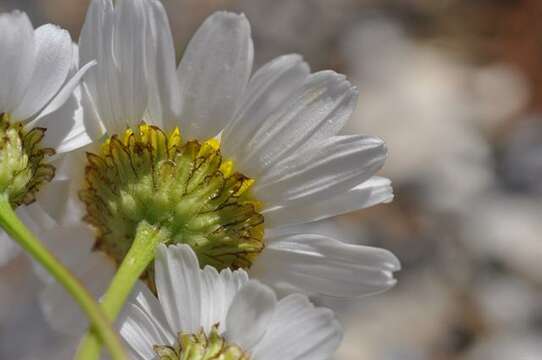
(454, 87)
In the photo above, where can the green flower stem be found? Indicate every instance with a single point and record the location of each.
(137, 260)
(20, 233)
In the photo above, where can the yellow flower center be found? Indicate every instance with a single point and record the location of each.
(23, 166)
(199, 346)
(185, 188)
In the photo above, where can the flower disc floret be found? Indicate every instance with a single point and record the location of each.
(199, 346)
(184, 188)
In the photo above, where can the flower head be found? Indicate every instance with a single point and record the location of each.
(204, 314)
(221, 157)
(185, 187)
(34, 68)
(23, 169)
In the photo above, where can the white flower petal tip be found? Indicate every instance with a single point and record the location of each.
(380, 274)
(388, 279)
(394, 264)
(382, 190)
(317, 264)
(228, 19)
(389, 264)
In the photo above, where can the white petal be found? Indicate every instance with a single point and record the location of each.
(68, 122)
(194, 298)
(54, 196)
(63, 95)
(212, 289)
(36, 219)
(316, 264)
(267, 89)
(233, 281)
(8, 248)
(64, 315)
(129, 46)
(143, 324)
(299, 331)
(59, 198)
(213, 74)
(17, 58)
(218, 291)
(374, 191)
(89, 41)
(65, 128)
(164, 99)
(321, 172)
(94, 127)
(75, 56)
(314, 112)
(71, 244)
(115, 37)
(249, 314)
(53, 61)
(178, 286)
(97, 29)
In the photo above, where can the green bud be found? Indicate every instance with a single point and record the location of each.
(23, 169)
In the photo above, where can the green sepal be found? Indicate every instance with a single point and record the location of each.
(182, 187)
(23, 166)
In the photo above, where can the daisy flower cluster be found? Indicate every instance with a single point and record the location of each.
(179, 201)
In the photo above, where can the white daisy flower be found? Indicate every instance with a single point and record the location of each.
(225, 156)
(38, 108)
(204, 314)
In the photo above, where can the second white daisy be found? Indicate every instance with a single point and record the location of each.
(203, 314)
